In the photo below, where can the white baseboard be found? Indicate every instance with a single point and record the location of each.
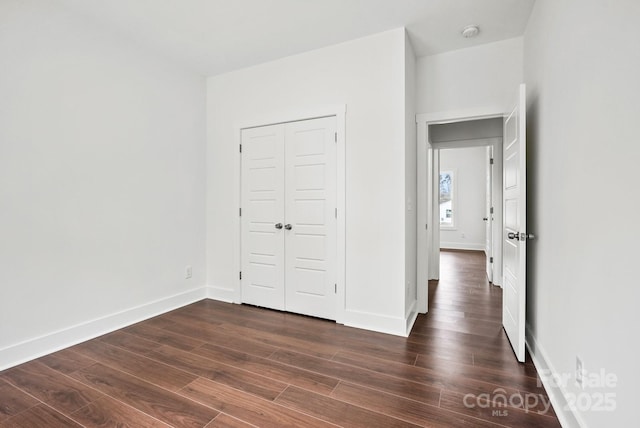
(461, 246)
(37, 347)
(557, 394)
(221, 294)
(357, 319)
(374, 322)
(422, 304)
(411, 316)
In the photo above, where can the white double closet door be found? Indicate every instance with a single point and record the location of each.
(288, 217)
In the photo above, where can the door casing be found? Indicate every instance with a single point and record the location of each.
(489, 215)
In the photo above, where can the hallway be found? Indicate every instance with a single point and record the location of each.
(463, 330)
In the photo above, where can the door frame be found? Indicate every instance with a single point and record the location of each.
(489, 247)
(275, 118)
(428, 263)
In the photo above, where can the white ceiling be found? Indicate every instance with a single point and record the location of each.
(216, 36)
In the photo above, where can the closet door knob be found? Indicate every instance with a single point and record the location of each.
(288, 226)
(278, 225)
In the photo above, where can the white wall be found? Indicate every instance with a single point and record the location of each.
(368, 76)
(101, 181)
(468, 79)
(470, 169)
(410, 179)
(581, 68)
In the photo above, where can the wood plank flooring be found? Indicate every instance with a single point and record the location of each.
(212, 364)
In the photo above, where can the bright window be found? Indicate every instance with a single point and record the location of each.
(447, 198)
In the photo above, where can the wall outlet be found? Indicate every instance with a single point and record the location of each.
(579, 372)
(187, 272)
(462, 235)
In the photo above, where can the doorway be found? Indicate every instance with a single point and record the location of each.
(509, 251)
(463, 198)
(467, 155)
(439, 132)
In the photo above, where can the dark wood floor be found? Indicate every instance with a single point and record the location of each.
(220, 365)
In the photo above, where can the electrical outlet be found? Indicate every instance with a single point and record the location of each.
(462, 235)
(579, 372)
(187, 272)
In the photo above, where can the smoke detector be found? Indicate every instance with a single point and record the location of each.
(470, 31)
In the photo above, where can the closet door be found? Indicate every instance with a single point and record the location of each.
(310, 202)
(263, 204)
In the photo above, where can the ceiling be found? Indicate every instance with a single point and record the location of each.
(216, 36)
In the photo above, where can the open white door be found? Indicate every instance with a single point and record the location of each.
(515, 226)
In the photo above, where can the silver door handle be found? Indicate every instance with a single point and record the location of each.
(288, 226)
(485, 218)
(520, 236)
(278, 225)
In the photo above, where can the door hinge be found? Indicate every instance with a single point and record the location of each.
(240, 148)
(240, 212)
(240, 274)
(335, 137)
(335, 288)
(335, 213)
(491, 161)
(490, 259)
(491, 210)
(426, 226)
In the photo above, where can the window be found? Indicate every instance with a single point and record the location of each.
(447, 198)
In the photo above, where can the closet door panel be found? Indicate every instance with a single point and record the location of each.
(310, 201)
(262, 251)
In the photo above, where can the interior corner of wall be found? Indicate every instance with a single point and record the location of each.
(222, 294)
